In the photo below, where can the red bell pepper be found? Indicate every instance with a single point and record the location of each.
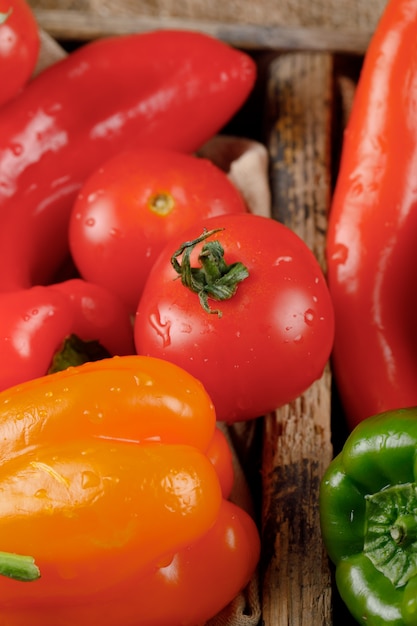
(371, 242)
(172, 89)
(35, 322)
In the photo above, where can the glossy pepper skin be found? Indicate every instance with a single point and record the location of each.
(371, 241)
(35, 322)
(170, 89)
(105, 478)
(368, 505)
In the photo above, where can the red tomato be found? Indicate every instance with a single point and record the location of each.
(19, 46)
(130, 207)
(274, 336)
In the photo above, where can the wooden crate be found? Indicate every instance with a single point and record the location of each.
(309, 56)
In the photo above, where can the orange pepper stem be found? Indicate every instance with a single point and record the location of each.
(214, 278)
(18, 567)
(74, 351)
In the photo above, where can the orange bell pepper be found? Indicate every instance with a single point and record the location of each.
(107, 481)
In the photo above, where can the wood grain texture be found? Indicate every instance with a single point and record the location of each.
(297, 438)
(355, 15)
(77, 25)
(327, 25)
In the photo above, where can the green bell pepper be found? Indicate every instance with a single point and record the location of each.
(368, 516)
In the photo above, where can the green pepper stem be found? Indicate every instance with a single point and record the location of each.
(404, 530)
(74, 351)
(19, 567)
(390, 540)
(214, 278)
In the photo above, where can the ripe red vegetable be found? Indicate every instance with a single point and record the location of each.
(34, 323)
(19, 47)
(130, 207)
(172, 89)
(262, 345)
(371, 239)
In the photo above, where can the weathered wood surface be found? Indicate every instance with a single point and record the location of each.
(297, 438)
(343, 26)
(70, 25)
(354, 15)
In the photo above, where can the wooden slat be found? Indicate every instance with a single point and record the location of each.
(350, 15)
(297, 438)
(79, 25)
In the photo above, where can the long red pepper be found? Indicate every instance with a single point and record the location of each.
(170, 89)
(372, 235)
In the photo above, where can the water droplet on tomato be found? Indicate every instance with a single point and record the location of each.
(92, 197)
(90, 222)
(309, 316)
(17, 149)
(162, 328)
(282, 259)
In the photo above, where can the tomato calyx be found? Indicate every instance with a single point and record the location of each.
(214, 278)
(74, 351)
(5, 16)
(19, 567)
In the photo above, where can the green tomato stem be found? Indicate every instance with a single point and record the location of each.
(214, 278)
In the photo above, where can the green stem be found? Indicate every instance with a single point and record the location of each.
(214, 278)
(74, 351)
(404, 530)
(18, 567)
(390, 539)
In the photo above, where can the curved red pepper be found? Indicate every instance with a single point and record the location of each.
(34, 323)
(371, 245)
(171, 89)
